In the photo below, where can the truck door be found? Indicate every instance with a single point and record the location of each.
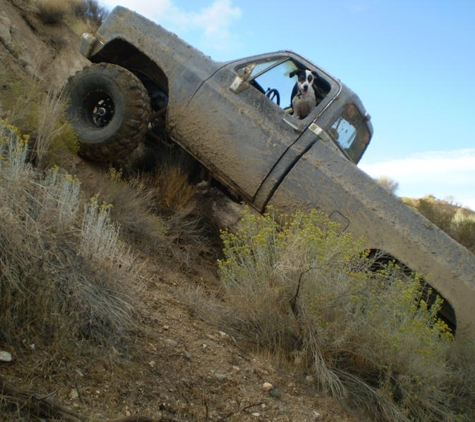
(243, 122)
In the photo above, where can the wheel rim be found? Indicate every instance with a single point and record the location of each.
(99, 109)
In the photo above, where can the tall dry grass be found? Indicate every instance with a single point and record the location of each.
(51, 127)
(179, 198)
(131, 206)
(40, 113)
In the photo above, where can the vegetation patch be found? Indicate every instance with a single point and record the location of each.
(86, 12)
(60, 281)
(293, 287)
(298, 287)
(458, 222)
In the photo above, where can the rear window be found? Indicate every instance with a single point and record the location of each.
(351, 132)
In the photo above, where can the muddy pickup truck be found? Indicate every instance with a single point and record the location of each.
(236, 119)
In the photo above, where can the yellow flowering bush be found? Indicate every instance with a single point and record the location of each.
(301, 287)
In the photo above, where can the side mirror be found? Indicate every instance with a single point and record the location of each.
(239, 84)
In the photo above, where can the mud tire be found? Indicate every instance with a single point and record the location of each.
(124, 111)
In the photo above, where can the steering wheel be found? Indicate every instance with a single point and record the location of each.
(273, 95)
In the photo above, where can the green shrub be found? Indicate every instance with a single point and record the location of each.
(456, 221)
(463, 229)
(297, 286)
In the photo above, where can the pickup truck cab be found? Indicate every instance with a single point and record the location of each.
(236, 119)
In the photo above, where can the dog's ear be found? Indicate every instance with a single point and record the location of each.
(315, 74)
(293, 73)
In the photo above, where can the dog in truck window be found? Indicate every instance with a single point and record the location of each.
(304, 92)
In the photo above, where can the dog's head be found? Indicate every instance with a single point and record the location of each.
(305, 79)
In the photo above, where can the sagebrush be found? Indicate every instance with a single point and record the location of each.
(298, 286)
(60, 281)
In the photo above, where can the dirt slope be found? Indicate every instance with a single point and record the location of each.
(177, 368)
(28, 45)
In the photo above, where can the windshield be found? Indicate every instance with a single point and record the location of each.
(351, 132)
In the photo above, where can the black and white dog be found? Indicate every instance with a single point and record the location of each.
(304, 97)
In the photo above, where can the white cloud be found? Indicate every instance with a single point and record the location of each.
(212, 23)
(444, 174)
(146, 8)
(215, 19)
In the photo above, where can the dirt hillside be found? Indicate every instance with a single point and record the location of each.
(177, 367)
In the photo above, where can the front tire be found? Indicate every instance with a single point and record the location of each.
(109, 110)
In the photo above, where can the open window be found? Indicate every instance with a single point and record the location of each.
(272, 78)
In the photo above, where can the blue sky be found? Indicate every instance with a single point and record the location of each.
(411, 62)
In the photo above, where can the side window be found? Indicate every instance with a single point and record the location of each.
(277, 79)
(351, 132)
(275, 82)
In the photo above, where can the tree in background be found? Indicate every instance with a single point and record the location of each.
(458, 222)
(387, 183)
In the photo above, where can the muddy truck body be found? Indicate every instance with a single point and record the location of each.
(235, 118)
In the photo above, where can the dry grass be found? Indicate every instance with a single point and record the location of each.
(170, 179)
(52, 127)
(84, 14)
(389, 184)
(51, 291)
(191, 232)
(53, 11)
(89, 10)
(161, 211)
(130, 205)
(20, 99)
(38, 112)
(299, 290)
